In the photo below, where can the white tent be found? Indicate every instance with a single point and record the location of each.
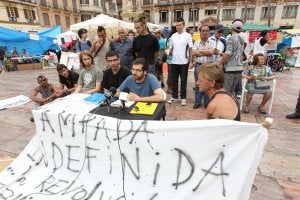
(109, 23)
(68, 36)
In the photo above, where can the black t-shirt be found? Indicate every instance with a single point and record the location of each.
(71, 80)
(145, 46)
(114, 80)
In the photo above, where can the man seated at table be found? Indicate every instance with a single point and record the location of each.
(222, 104)
(25, 55)
(68, 78)
(115, 74)
(142, 86)
(90, 76)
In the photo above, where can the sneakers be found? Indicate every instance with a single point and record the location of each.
(183, 102)
(196, 106)
(172, 100)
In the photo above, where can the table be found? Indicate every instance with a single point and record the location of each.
(121, 113)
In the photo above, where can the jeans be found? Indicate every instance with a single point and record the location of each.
(231, 80)
(182, 71)
(199, 94)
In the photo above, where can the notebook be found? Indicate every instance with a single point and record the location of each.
(144, 108)
(95, 98)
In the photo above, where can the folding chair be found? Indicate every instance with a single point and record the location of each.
(244, 90)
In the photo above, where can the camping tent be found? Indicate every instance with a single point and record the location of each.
(109, 23)
(11, 38)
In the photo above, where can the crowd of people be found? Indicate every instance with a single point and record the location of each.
(135, 63)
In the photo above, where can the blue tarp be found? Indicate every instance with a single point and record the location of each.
(50, 34)
(12, 38)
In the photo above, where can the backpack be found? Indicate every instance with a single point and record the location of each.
(89, 43)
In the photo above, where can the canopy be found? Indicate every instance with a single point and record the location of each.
(257, 27)
(50, 34)
(108, 23)
(12, 38)
(12, 35)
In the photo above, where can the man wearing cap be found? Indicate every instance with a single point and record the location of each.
(232, 59)
(219, 42)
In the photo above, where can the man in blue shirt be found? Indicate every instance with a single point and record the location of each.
(142, 86)
(123, 46)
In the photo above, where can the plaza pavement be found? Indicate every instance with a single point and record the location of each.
(278, 175)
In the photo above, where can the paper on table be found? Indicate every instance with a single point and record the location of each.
(118, 103)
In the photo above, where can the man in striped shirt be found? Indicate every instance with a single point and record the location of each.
(203, 52)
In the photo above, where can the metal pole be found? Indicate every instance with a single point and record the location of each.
(172, 12)
(219, 10)
(245, 14)
(193, 14)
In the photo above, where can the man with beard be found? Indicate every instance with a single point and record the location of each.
(142, 86)
(221, 105)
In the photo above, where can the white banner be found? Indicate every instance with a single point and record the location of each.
(14, 101)
(76, 156)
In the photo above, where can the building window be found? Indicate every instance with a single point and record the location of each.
(163, 2)
(55, 4)
(46, 19)
(74, 6)
(65, 5)
(264, 12)
(193, 15)
(84, 2)
(68, 21)
(85, 17)
(29, 15)
(57, 20)
(12, 13)
(96, 3)
(43, 3)
(290, 11)
(76, 20)
(211, 12)
(249, 14)
(146, 2)
(163, 16)
(228, 14)
(178, 14)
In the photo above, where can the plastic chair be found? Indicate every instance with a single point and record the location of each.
(244, 90)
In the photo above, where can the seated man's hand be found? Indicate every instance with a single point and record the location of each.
(133, 97)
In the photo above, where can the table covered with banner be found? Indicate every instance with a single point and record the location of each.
(79, 155)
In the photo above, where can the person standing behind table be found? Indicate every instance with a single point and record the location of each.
(180, 49)
(100, 47)
(90, 76)
(123, 46)
(222, 105)
(161, 57)
(142, 85)
(261, 44)
(68, 78)
(145, 45)
(116, 73)
(83, 44)
(219, 43)
(232, 59)
(203, 51)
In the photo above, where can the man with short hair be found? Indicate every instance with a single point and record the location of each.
(232, 59)
(123, 46)
(68, 78)
(203, 51)
(145, 45)
(116, 73)
(219, 42)
(161, 57)
(180, 48)
(83, 43)
(142, 85)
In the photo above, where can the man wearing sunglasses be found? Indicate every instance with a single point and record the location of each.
(142, 86)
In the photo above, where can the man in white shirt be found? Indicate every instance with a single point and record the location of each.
(180, 48)
(219, 42)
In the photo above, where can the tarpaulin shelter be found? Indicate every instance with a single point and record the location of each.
(50, 34)
(10, 38)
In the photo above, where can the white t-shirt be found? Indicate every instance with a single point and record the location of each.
(181, 43)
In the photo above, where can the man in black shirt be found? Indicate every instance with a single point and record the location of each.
(67, 78)
(145, 45)
(115, 74)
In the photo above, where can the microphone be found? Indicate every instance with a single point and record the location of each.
(108, 96)
(123, 96)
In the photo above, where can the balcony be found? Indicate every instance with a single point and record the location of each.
(90, 8)
(164, 2)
